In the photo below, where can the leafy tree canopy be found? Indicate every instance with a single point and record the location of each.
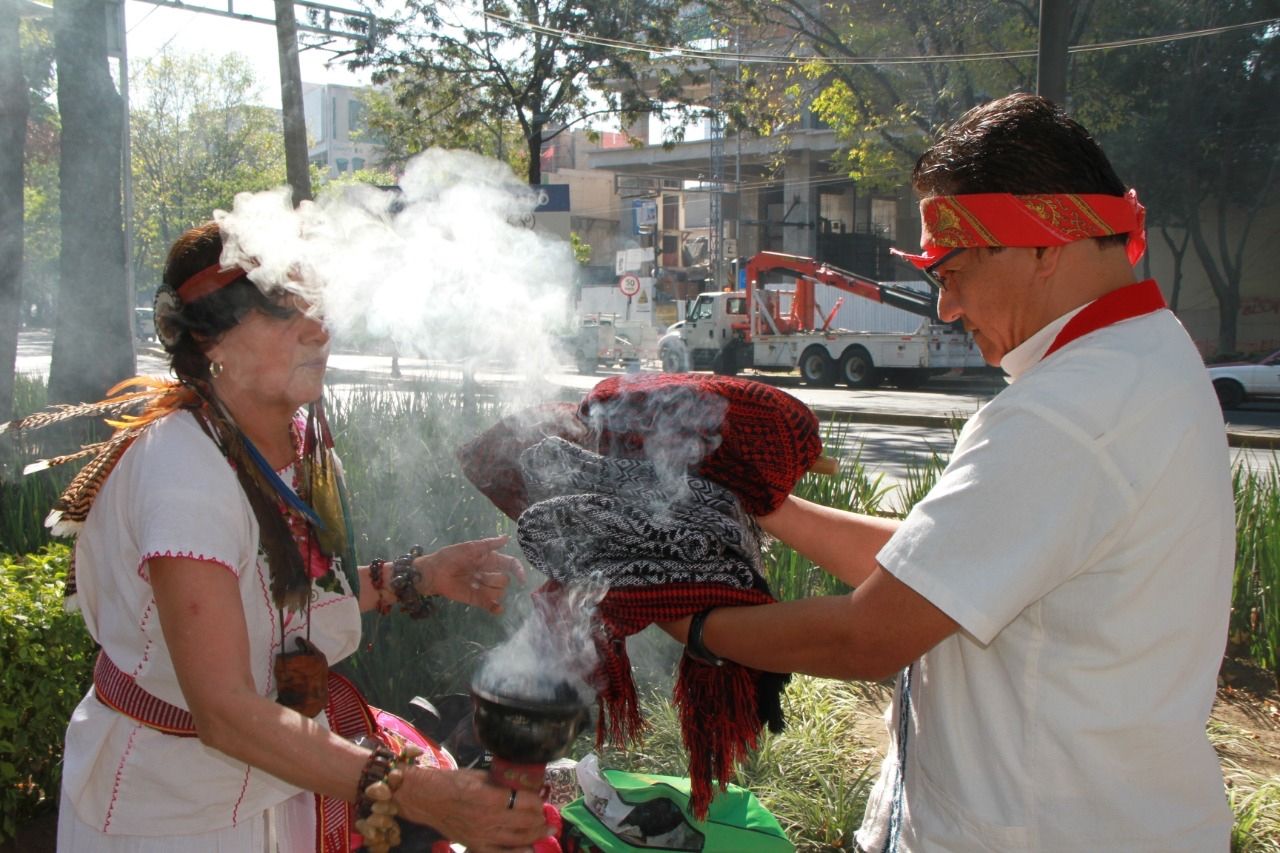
(1187, 121)
(484, 66)
(198, 138)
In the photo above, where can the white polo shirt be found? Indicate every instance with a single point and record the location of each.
(1083, 538)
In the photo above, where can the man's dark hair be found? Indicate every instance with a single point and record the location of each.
(1022, 144)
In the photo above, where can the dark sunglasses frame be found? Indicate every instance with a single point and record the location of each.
(930, 274)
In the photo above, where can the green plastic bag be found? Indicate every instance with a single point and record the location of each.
(657, 819)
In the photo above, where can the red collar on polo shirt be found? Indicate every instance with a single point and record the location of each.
(1135, 300)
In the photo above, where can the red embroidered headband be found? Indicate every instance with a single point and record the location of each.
(1003, 219)
(208, 280)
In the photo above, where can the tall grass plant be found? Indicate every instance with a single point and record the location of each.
(1255, 598)
(397, 446)
(26, 501)
(814, 776)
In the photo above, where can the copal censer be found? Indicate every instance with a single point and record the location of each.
(523, 735)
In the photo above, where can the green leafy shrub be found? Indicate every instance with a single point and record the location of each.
(46, 661)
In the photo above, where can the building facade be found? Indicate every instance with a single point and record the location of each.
(338, 138)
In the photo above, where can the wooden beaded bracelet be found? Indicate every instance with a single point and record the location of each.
(376, 807)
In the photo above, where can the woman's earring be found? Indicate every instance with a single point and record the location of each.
(215, 369)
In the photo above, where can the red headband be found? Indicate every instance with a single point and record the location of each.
(207, 281)
(1003, 219)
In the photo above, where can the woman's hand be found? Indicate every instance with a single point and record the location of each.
(472, 572)
(467, 809)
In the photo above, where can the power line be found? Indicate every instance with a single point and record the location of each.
(150, 12)
(769, 59)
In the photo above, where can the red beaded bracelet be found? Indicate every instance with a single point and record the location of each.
(377, 582)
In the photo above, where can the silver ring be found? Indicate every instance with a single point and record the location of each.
(511, 802)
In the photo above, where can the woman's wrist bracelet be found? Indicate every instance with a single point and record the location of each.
(404, 583)
(694, 646)
(376, 808)
(378, 582)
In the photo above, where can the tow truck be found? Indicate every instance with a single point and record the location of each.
(766, 328)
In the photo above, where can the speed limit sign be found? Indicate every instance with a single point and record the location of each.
(629, 285)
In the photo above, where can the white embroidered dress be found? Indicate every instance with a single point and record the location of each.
(174, 494)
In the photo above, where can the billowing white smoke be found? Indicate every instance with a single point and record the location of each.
(447, 267)
(553, 650)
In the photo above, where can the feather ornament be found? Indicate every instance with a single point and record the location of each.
(154, 397)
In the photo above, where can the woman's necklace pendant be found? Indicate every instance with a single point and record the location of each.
(302, 679)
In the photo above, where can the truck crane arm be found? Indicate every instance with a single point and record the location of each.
(808, 270)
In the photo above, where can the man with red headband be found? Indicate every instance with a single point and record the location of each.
(1057, 605)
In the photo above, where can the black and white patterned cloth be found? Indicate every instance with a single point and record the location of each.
(625, 523)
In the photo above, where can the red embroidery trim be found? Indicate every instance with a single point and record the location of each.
(244, 786)
(182, 555)
(115, 787)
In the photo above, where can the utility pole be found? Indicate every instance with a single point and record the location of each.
(296, 163)
(715, 212)
(1051, 64)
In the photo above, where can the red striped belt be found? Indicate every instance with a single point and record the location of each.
(349, 716)
(119, 691)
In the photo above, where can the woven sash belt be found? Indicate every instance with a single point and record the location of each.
(349, 716)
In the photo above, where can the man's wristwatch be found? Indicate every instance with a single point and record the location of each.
(694, 647)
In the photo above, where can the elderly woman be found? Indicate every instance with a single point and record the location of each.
(204, 568)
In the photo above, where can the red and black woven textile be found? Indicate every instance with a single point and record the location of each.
(722, 709)
(664, 549)
(753, 439)
(759, 440)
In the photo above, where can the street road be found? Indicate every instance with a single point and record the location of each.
(892, 432)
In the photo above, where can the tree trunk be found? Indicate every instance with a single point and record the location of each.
(1052, 55)
(1178, 253)
(1225, 289)
(297, 166)
(534, 141)
(92, 339)
(13, 136)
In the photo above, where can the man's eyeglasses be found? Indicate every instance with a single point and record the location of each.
(931, 274)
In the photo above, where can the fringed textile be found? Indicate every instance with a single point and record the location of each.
(667, 548)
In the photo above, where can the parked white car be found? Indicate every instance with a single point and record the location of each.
(1240, 381)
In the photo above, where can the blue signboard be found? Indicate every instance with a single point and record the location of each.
(645, 213)
(552, 198)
